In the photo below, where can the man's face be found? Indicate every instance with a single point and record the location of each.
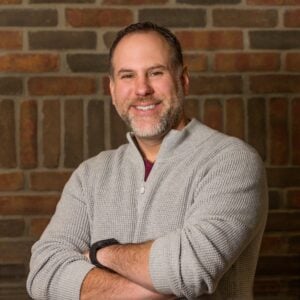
(146, 91)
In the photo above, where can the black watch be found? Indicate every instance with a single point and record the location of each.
(97, 246)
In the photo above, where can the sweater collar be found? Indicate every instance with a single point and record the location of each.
(177, 142)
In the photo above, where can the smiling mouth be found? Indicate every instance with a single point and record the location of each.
(145, 107)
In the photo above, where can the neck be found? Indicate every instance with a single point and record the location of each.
(150, 146)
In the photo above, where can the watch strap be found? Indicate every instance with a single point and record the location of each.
(100, 245)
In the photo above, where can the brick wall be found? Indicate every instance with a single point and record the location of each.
(55, 111)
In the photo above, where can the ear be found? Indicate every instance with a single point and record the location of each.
(112, 89)
(185, 80)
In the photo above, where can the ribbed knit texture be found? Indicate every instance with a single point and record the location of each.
(204, 203)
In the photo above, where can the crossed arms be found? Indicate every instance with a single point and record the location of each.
(131, 277)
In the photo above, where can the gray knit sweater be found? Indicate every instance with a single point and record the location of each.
(204, 203)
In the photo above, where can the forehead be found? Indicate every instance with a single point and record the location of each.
(141, 47)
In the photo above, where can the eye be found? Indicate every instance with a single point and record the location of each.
(156, 73)
(126, 76)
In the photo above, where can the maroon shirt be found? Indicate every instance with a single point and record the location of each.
(148, 168)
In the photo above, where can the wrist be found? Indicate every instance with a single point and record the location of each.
(95, 255)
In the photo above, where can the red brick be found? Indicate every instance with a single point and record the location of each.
(246, 62)
(275, 84)
(118, 129)
(235, 118)
(29, 63)
(210, 40)
(213, 114)
(28, 134)
(73, 133)
(210, 85)
(274, 244)
(37, 226)
(14, 252)
(48, 181)
(276, 200)
(283, 177)
(98, 17)
(28, 204)
(283, 221)
(8, 157)
(293, 62)
(41, 86)
(257, 132)
(196, 62)
(292, 18)
(12, 227)
(192, 108)
(273, 2)
(10, 1)
(245, 18)
(279, 135)
(51, 133)
(12, 181)
(134, 2)
(293, 199)
(294, 244)
(96, 131)
(278, 265)
(295, 125)
(10, 40)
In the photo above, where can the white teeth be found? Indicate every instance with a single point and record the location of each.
(144, 108)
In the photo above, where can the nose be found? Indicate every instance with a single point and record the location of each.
(143, 86)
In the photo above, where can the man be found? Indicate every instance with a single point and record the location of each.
(177, 213)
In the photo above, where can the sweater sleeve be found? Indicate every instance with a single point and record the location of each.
(229, 210)
(57, 266)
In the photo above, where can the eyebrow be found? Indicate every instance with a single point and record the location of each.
(124, 70)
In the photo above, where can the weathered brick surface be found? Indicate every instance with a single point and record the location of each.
(48, 181)
(273, 2)
(293, 62)
(61, 40)
(245, 18)
(246, 62)
(275, 39)
(210, 40)
(279, 140)
(11, 86)
(88, 62)
(28, 17)
(283, 177)
(73, 123)
(204, 85)
(209, 2)
(37, 226)
(213, 114)
(10, 40)
(12, 181)
(196, 62)
(12, 227)
(42, 86)
(117, 129)
(28, 134)
(29, 63)
(235, 117)
(95, 127)
(28, 204)
(269, 84)
(173, 17)
(292, 18)
(51, 133)
(98, 17)
(8, 158)
(257, 129)
(296, 131)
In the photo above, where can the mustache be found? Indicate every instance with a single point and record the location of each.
(145, 99)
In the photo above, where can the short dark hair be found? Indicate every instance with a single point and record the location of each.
(177, 58)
